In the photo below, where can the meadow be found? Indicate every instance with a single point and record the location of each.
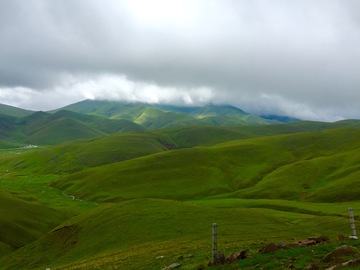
(147, 199)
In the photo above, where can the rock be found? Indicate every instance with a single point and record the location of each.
(307, 242)
(173, 266)
(237, 256)
(320, 239)
(269, 248)
(351, 263)
(189, 256)
(160, 257)
(339, 252)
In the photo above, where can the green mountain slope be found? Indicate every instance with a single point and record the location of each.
(13, 111)
(102, 124)
(7, 128)
(239, 168)
(22, 222)
(119, 147)
(78, 155)
(155, 116)
(38, 120)
(48, 129)
(62, 130)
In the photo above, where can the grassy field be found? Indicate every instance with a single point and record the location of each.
(315, 167)
(146, 200)
(133, 234)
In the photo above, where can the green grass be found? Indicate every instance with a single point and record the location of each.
(13, 111)
(311, 208)
(298, 257)
(88, 153)
(62, 130)
(254, 168)
(8, 152)
(29, 208)
(23, 221)
(139, 201)
(132, 234)
(62, 126)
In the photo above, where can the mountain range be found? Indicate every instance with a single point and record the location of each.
(91, 118)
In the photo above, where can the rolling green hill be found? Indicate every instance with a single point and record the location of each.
(22, 222)
(123, 146)
(13, 111)
(7, 126)
(251, 168)
(78, 155)
(48, 129)
(153, 116)
(62, 130)
(144, 199)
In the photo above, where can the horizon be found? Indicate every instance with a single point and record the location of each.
(135, 102)
(178, 106)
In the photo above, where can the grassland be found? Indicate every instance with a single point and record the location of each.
(144, 200)
(135, 233)
(314, 166)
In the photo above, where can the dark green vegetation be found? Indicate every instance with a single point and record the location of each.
(13, 111)
(161, 116)
(123, 197)
(62, 126)
(91, 119)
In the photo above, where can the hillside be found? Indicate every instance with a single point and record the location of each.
(7, 126)
(13, 111)
(23, 221)
(247, 169)
(123, 146)
(155, 116)
(90, 119)
(78, 155)
(43, 128)
(145, 199)
(151, 234)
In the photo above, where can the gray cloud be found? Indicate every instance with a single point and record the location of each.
(300, 58)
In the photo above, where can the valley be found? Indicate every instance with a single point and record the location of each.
(107, 190)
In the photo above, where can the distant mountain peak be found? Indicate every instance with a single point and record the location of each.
(219, 109)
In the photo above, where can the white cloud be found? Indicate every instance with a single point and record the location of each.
(104, 87)
(304, 54)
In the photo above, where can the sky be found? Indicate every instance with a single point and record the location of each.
(299, 58)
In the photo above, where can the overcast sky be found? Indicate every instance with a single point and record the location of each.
(299, 58)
